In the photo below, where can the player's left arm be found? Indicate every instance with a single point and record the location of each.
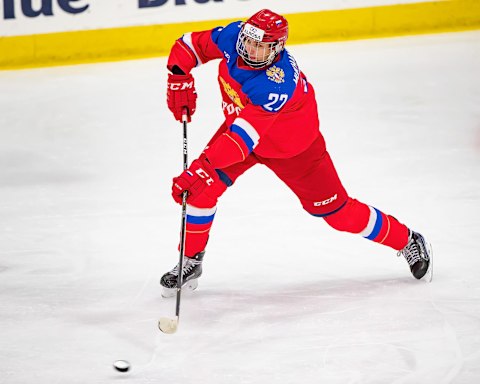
(241, 138)
(267, 99)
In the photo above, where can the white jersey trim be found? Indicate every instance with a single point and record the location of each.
(249, 129)
(187, 39)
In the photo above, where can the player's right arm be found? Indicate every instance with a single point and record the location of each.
(192, 50)
(189, 51)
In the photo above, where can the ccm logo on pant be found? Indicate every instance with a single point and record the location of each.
(325, 202)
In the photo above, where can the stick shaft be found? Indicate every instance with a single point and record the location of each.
(184, 219)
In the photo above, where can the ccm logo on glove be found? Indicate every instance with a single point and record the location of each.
(181, 86)
(196, 180)
(181, 94)
(204, 175)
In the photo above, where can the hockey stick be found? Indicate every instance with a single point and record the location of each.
(166, 324)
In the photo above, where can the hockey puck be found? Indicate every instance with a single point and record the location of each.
(121, 365)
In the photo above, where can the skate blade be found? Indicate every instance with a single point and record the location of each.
(188, 286)
(429, 274)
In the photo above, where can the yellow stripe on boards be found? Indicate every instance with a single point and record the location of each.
(156, 40)
(393, 20)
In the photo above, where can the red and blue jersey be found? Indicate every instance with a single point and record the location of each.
(269, 111)
(272, 112)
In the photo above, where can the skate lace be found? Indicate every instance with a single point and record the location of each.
(188, 265)
(411, 252)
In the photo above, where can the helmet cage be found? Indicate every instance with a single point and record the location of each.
(255, 49)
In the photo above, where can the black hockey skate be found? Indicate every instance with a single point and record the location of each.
(191, 271)
(418, 253)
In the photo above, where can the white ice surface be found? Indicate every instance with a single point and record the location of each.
(87, 227)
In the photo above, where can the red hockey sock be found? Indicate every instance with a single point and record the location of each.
(199, 222)
(357, 217)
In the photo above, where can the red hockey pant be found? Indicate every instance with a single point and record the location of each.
(311, 175)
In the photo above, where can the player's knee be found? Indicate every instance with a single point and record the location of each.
(352, 217)
(326, 207)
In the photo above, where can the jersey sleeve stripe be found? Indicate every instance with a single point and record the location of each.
(246, 131)
(187, 39)
(244, 136)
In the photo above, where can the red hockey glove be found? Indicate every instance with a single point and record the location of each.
(196, 180)
(181, 94)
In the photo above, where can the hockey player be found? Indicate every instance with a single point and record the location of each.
(270, 118)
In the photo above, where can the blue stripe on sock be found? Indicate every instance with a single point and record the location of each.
(200, 219)
(377, 227)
